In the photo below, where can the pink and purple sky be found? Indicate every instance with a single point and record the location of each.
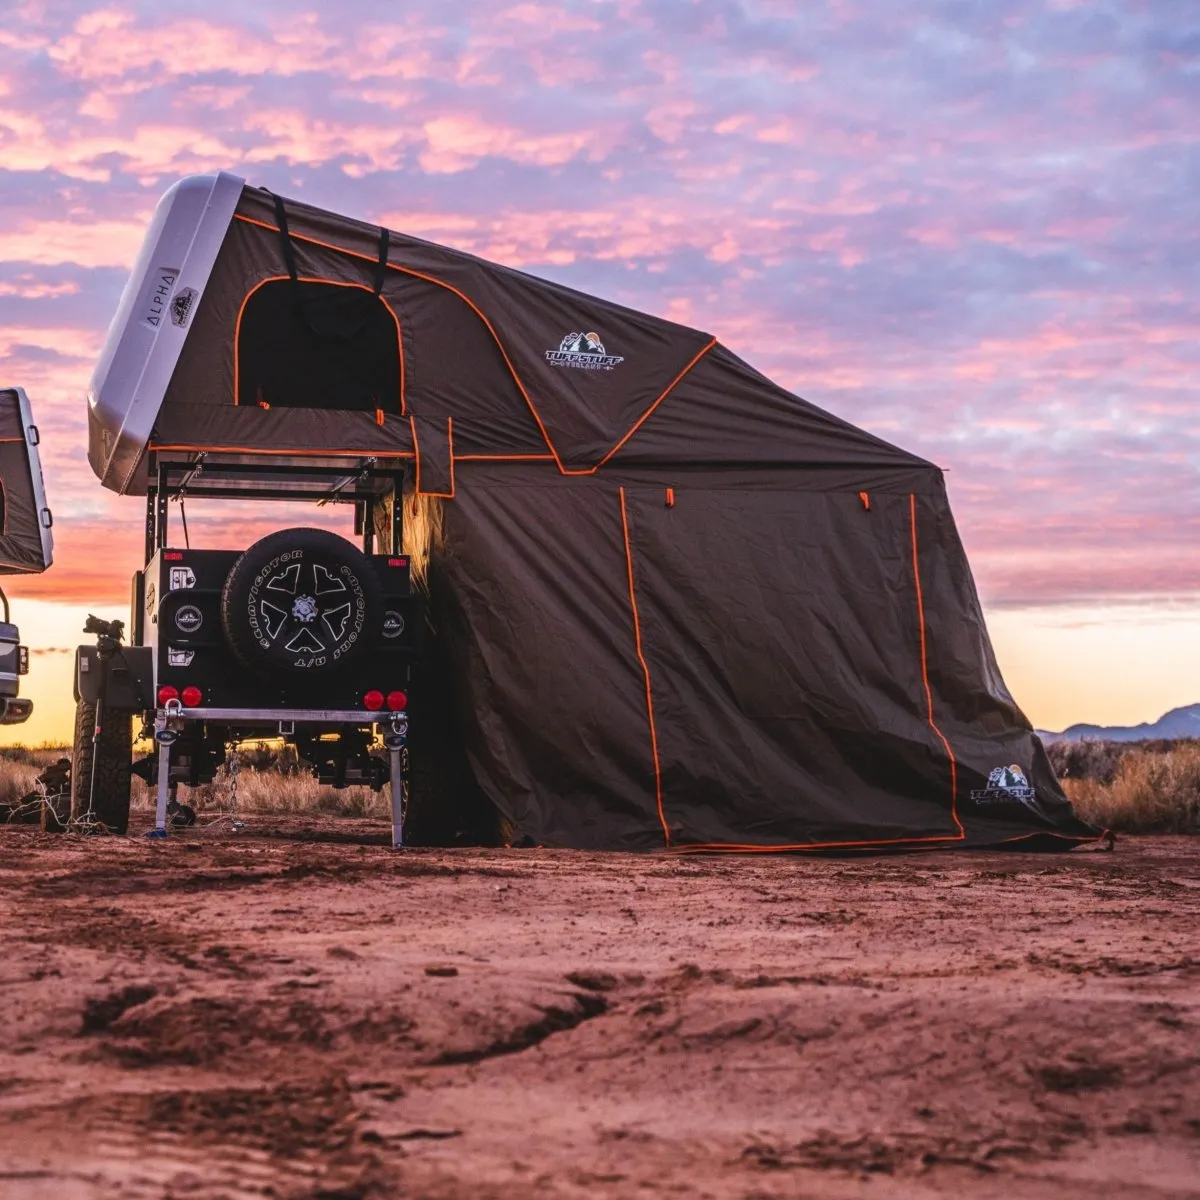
(966, 225)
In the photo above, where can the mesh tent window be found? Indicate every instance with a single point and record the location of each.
(309, 343)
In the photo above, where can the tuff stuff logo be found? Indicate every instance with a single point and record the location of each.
(584, 351)
(189, 619)
(181, 305)
(1007, 785)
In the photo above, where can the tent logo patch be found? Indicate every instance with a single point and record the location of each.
(181, 305)
(1007, 785)
(584, 351)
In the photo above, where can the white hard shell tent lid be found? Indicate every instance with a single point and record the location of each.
(26, 541)
(150, 326)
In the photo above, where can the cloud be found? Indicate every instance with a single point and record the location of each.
(73, 242)
(968, 228)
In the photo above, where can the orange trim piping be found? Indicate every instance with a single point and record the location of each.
(192, 446)
(638, 423)
(237, 328)
(504, 458)
(1066, 837)
(496, 338)
(912, 510)
(738, 848)
(417, 454)
(637, 641)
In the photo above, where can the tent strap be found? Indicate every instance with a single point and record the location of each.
(289, 251)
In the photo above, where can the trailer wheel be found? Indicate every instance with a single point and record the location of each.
(114, 759)
(303, 603)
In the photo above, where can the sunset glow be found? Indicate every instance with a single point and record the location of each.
(968, 229)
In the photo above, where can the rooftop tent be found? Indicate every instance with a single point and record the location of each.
(674, 605)
(26, 543)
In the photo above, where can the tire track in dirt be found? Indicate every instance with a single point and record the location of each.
(330, 1020)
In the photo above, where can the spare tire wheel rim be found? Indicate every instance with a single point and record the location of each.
(306, 608)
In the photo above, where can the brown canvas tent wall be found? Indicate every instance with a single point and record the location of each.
(26, 545)
(676, 604)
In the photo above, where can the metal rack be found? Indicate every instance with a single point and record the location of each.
(366, 483)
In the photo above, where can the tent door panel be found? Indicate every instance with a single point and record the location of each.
(530, 600)
(782, 639)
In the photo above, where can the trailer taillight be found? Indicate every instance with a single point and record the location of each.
(397, 701)
(191, 697)
(165, 693)
(373, 701)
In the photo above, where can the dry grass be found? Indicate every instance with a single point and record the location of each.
(269, 781)
(1130, 788)
(422, 534)
(269, 791)
(19, 768)
(1150, 791)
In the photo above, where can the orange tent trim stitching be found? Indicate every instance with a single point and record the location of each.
(286, 453)
(912, 510)
(637, 641)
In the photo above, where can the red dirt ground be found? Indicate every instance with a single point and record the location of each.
(299, 1012)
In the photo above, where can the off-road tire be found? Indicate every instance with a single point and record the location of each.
(303, 604)
(114, 758)
(431, 816)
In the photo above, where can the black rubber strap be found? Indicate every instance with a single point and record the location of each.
(289, 252)
(381, 265)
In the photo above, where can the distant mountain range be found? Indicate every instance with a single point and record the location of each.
(1178, 723)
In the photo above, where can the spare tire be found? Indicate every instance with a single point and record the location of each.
(302, 602)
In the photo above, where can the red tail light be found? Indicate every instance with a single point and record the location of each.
(165, 693)
(373, 701)
(191, 697)
(397, 701)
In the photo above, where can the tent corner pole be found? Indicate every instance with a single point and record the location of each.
(160, 509)
(396, 538)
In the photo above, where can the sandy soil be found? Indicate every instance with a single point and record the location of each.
(299, 1012)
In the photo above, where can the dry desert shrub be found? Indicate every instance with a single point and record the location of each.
(270, 780)
(422, 534)
(19, 768)
(1088, 759)
(268, 790)
(1150, 791)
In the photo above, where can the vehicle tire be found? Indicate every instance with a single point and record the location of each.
(114, 758)
(302, 603)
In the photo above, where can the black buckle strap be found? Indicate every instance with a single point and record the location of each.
(289, 251)
(381, 265)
